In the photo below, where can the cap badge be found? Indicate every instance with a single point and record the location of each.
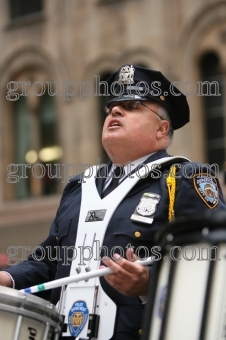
(126, 75)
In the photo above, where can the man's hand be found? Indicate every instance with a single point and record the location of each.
(5, 280)
(128, 278)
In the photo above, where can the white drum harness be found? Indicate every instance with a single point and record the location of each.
(89, 312)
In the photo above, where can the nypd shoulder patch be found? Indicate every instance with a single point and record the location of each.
(77, 317)
(207, 189)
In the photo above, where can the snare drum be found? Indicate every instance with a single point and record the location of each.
(187, 298)
(24, 316)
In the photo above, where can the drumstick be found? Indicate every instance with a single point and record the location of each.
(77, 278)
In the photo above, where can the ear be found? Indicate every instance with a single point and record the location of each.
(162, 129)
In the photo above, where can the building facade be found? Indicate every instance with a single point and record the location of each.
(55, 54)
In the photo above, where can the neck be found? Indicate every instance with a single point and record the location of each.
(125, 160)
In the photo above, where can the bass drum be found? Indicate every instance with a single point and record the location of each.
(27, 317)
(187, 297)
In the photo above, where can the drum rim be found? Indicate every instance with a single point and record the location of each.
(31, 303)
(189, 224)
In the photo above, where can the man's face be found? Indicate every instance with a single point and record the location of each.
(133, 131)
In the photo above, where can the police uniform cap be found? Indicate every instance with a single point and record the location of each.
(132, 82)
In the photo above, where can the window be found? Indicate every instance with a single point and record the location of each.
(35, 147)
(22, 142)
(215, 117)
(20, 8)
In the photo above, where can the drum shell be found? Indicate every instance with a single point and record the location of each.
(24, 316)
(187, 298)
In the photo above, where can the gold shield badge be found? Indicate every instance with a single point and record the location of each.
(77, 319)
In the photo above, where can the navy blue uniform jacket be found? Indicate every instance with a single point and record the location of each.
(120, 232)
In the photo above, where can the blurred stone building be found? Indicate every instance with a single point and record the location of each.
(55, 53)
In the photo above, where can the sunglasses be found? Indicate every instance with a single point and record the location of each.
(128, 105)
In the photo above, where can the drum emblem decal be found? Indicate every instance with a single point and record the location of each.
(206, 187)
(77, 317)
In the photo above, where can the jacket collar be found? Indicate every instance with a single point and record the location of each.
(142, 183)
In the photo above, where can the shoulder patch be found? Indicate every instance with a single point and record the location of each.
(207, 189)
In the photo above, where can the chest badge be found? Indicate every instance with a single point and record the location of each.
(146, 209)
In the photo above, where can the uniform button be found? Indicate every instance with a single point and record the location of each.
(137, 234)
(140, 332)
(57, 239)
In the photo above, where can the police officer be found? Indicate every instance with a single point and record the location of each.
(143, 110)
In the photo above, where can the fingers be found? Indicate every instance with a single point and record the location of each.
(119, 262)
(128, 278)
(130, 255)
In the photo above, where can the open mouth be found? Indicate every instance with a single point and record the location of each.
(114, 123)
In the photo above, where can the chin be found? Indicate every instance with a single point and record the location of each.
(112, 141)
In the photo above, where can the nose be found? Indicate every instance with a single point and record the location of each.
(117, 110)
